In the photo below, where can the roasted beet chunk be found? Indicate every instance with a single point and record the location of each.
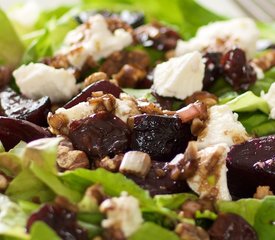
(160, 136)
(12, 131)
(212, 68)
(99, 135)
(251, 164)
(230, 226)
(236, 70)
(17, 106)
(157, 36)
(62, 220)
(103, 85)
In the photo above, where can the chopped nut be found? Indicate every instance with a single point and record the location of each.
(96, 192)
(3, 182)
(58, 123)
(262, 192)
(149, 108)
(135, 162)
(266, 60)
(184, 166)
(65, 203)
(117, 60)
(207, 98)
(197, 126)
(129, 76)
(68, 159)
(116, 23)
(111, 164)
(191, 232)
(95, 77)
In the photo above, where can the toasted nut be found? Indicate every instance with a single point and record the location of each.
(111, 164)
(266, 61)
(3, 182)
(95, 77)
(96, 192)
(197, 126)
(191, 232)
(58, 123)
(135, 162)
(149, 108)
(207, 98)
(262, 192)
(68, 159)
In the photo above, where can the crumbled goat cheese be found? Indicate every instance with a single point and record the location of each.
(135, 162)
(36, 80)
(270, 98)
(94, 39)
(122, 213)
(79, 111)
(222, 36)
(179, 77)
(211, 181)
(222, 127)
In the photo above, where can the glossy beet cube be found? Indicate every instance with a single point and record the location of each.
(162, 137)
(17, 106)
(251, 164)
(12, 131)
(99, 135)
(103, 85)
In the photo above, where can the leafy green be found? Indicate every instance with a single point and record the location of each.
(41, 231)
(149, 231)
(113, 184)
(11, 48)
(10, 164)
(248, 102)
(26, 186)
(246, 208)
(12, 219)
(173, 201)
(266, 30)
(138, 93)
(265, 219)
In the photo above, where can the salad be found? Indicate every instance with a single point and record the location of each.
(137, 120)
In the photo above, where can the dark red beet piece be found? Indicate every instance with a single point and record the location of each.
(157, 36)
(103, 85)
(157, 183)
(162, 137)
(62, 220)
(251, 164)
(229, 226)
(212, 68)
(12, 131)
(17, 106)
(99, 135)
(236, 70)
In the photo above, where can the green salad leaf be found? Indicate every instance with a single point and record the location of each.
(41, 231)
(248, 102)
(149, 231)
(11, 48)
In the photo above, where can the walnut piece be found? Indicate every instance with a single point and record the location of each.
(262, 192)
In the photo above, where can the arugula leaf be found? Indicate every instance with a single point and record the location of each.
(11, 48)
(266, 30)
(41, 231)
(149, 231)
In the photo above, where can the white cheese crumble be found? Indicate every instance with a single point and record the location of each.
(270, 98)
(94, 39)
(79, 111)
(211, 181)
(224, 35)
(179, 77)
(222, 127)
(36, 80)
(122, 213)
